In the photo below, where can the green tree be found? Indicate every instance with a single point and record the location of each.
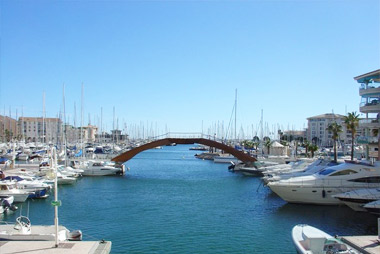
(267, 144)
(335, 129)
(306, 145)
(248, 144)
(313, 148)
(8, 135)
(352, 123)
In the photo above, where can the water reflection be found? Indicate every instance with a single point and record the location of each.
(339, 220)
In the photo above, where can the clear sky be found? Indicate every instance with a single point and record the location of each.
(177, 63)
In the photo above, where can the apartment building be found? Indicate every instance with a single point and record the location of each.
(48, 130)
(8, 128)
(369, 91)
(317, 133)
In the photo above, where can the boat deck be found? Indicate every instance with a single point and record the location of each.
(367, 244)
(47, 247)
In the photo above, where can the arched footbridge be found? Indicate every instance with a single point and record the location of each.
(202, 139)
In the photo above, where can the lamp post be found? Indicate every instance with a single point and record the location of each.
(56, 202)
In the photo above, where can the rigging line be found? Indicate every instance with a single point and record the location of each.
(229, 124)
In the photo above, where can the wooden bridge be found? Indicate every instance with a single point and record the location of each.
(195, 138)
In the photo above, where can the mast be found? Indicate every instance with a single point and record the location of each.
(113, 127)
(101, 125)
(64, 126)
(235, 111)
(22, 123)
(261, 126)
(81, 121)
(43, 118)
(55, 202)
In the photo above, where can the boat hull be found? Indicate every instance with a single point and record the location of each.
(308, 195)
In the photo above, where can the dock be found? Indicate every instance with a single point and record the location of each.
(48, 247)
(367, 244)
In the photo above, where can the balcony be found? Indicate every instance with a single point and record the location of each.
(369, 91)
(369, 123)
(370, 107)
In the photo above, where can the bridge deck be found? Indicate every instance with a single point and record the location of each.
(166, 141)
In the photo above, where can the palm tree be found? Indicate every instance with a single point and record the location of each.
(306, 145)
(256, 142)
(268, 144)
(335, 129)
(352, 123)
(313, 148)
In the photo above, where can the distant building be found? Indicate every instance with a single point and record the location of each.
(74, 135)
(90, 132)
(33, 129)
(115, 136)
(8, 129)
(317, 133)
(294, 135)
(370, 106)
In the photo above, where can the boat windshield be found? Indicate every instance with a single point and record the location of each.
(327, 171)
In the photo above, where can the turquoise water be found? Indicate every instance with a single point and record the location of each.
(171, 202)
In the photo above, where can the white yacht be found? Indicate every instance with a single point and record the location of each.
(373, 207)
(293, 166)
(320, 187)
(226, 159)
(37, 187)
(9, 189)
(310, 240)
(100, 168)
(313, 168)
(356, 199)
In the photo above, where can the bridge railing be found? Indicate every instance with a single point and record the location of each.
(186, 135)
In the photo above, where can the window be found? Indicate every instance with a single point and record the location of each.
(370, 179)
(344, 172)
(326, 171)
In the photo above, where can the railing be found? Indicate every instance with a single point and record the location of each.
(371, 103)
(369, 120)
(330, 184)
(186, 135)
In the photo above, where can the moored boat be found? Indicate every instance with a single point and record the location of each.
(319, 188)
(310, 240)
(356, 199)
(373, 207)
(10, 189)
(100, 168)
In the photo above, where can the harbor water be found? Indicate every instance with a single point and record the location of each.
(171, 202)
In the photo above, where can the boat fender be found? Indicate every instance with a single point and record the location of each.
(323, 193)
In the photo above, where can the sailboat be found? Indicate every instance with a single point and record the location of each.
(22, 229)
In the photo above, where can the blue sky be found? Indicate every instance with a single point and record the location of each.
(176, 64)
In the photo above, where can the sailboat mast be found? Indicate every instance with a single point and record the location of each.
(235, 111)
(64, 126)
(81, 121)
(43, 118)
(113, 127)
(101, 125)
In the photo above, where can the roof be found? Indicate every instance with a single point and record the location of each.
(276, 144)
(326, 116)
(365, 78)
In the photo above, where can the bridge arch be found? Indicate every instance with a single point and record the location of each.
(167, 141)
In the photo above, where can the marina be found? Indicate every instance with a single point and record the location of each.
(212, 127)
(219, 210)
